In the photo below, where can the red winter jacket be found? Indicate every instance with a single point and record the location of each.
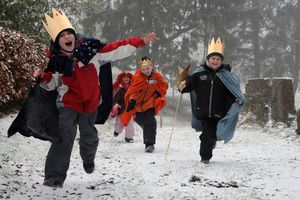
(81, 90)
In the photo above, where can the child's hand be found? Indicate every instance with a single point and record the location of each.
(151, 37)
(181, 85)
(115, 110)
(37, 73)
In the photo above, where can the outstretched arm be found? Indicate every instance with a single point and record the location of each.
(151, 37)
(124, 48)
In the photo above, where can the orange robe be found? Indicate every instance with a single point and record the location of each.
(148, 92)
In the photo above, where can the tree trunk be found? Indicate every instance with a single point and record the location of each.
(255, 40)
(295, 70)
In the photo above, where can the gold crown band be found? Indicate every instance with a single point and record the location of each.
(216, 47)
(57, 23)
(145, 62)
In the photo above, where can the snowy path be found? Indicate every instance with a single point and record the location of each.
(256, 164)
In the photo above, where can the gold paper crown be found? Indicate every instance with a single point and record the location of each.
(54, 25)
(216, 47)
(145, 62)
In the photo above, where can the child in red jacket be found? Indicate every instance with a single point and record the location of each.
(73, 70)
(120, 87)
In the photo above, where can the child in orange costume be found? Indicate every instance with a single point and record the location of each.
(145, 97)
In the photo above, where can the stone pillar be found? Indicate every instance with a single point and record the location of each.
(283, 103)
(271, 99)
(258, 94)
(298, 122)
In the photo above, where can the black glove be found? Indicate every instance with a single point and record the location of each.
(131, 105)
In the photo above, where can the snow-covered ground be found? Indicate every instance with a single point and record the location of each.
(256, 164)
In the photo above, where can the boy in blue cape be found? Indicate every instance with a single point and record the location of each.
(216, 100)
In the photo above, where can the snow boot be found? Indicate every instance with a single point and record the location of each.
(129, 140)
(89, 167)
(149, 148)
(52, 183)
(116, 134)
(205, 161)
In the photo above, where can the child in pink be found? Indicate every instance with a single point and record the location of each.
(120, 88)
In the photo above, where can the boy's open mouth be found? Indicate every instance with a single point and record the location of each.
(68, 44)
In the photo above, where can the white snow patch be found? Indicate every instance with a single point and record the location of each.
(256, 164)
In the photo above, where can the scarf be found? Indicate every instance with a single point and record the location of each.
(85, 50)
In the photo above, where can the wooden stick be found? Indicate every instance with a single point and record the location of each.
(174, 121)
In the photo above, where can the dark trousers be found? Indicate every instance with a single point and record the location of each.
(147, 122)
(58, 158)
(208, 137)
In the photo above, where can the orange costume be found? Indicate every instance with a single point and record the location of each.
(147, 91)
